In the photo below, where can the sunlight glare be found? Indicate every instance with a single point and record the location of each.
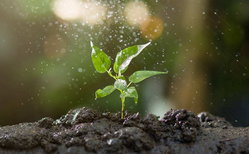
(137, 13)
(67, 9)
(92, 12)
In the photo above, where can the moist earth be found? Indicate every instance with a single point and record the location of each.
(87, 131)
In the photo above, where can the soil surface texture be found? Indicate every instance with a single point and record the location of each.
(87, 131)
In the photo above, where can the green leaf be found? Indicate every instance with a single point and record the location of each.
(125, 56)
(100, 60)
(120, 84)
(139, 76)
(121, 77)
(130, 92)
(102, 93)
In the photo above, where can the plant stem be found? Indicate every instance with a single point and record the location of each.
(110, 74)
(123, 105)
(119, 73)
(129, 84)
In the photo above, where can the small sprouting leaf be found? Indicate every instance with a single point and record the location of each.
(100, 60)
(130, 92)
(125, 56)
(121, 77)
(106, 91)
(139, 76)
(120, 84)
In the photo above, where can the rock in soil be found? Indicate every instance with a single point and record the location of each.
(87, 131)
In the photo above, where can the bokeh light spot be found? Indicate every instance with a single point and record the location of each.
(153, 29)
(137, 13)
(67, 9)
(92, 12)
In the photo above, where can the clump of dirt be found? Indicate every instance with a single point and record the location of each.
(208, 120)
(85, 130)
(184, 124)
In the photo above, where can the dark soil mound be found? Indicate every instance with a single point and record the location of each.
(85, 130)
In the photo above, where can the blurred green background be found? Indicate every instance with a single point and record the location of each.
(46, 68)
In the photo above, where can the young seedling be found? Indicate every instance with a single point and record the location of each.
(102, 64)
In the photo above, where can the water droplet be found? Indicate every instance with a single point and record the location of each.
(80, 70)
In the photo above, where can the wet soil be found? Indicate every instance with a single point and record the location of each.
(87, 131)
